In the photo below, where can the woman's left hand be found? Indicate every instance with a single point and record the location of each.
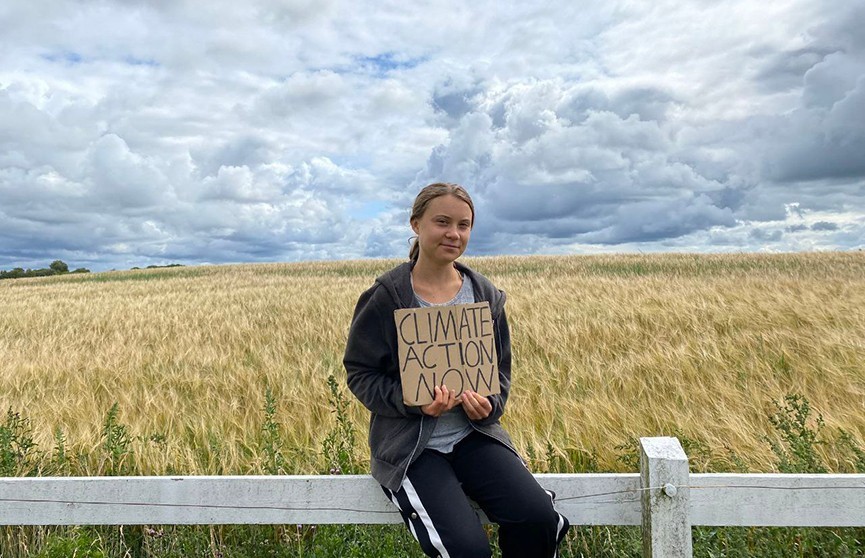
(476, 406)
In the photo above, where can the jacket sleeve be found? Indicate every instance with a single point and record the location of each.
(503, 348)
(370, 357)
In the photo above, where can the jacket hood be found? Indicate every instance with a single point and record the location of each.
(397, 282)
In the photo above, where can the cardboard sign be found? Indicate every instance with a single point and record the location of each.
(451, 345)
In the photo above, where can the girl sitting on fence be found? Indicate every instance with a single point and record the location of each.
(432, 459)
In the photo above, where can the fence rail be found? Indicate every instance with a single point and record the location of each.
(664, 498)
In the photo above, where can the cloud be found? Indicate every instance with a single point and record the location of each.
(546, 164)
(824, 226)
(120, 179)
(822, 142)
(148, 132)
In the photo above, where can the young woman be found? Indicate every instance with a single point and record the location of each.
(431, 460)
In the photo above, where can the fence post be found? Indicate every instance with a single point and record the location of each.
(666, 520)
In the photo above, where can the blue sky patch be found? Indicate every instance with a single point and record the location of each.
(64, 57)
(368, 210)
(382, 64)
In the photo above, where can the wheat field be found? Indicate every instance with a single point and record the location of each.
(606, 349)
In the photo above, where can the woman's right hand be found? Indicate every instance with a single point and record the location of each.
(445, 400)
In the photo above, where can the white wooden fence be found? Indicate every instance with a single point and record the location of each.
(663, 498)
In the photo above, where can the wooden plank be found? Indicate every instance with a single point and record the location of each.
(778, 500)
(584, 499)
(596, 499)
(666, 517)
(602, 499)
(194, 500)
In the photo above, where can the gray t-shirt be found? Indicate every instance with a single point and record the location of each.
(453, 425)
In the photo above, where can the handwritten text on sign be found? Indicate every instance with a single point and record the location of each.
(451, 345)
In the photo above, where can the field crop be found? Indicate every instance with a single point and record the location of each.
(606, 349)
(754, 361)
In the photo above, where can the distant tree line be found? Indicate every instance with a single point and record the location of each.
(159, 266)
(57, 267)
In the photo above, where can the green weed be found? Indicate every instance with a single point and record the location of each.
(797, 449)
(116, 445)
(18, 452)
(272, 443)
(339, 445)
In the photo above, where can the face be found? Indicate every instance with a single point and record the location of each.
(444, 229)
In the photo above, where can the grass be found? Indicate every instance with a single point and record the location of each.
(224, 369)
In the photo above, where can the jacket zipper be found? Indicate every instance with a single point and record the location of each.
(413, 451)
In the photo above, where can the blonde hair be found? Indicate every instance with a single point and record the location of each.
(428, 194)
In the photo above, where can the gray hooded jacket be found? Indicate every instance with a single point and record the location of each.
(397, 432)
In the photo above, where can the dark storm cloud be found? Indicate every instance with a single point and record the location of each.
(824, 137)
(824, 226)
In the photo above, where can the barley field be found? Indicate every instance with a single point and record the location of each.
(606, 349)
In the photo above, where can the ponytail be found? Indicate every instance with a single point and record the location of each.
(414, 251)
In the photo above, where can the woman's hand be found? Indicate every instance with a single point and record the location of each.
(445, 400)
(476, 406)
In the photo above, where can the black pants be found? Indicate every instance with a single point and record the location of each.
(434, 502)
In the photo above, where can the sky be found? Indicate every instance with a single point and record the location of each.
(137, 133)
